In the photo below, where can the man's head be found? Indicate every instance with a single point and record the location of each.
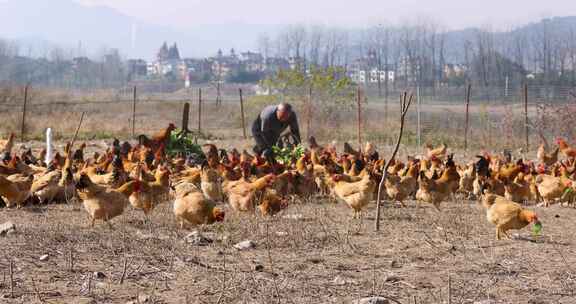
(284, 112)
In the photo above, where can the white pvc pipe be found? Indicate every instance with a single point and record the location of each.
(48, 146)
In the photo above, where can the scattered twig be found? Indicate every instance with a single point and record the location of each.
(38, 295)
(11, 279)
(449, 289)
(271, 263)
(70, 260)
(124, 269)
(223, 276)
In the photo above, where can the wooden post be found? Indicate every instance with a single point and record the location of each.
(134, 112)
(199, 110)
(359, 101)
(466, 125)
(218, 101)
(526, 126)
(242, 113)
(185, 117)
(23, 128)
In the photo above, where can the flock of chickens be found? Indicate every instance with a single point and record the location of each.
(143, 176)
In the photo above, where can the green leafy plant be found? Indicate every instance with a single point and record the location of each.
(537, 228)
(286, 155)
(180, 143)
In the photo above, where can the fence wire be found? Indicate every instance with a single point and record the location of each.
(497, 115)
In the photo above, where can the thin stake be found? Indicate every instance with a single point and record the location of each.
(23, 129)
(419, 130)
(466, 126)
(526, 126)
(199, 110)
(359, 101)
(242, 113)
(134, 112)
(77, 130)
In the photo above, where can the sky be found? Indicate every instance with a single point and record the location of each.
(453, 14)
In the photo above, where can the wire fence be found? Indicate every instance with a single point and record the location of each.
(495, 118)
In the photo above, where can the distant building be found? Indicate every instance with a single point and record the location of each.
(252, 62)
(80, 62)
(296, 63)
(368, 70)
(454, 70)
(274, 64)
(223, 65)
(137, 68)
(167, 62)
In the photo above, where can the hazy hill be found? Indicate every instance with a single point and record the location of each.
(67, 23)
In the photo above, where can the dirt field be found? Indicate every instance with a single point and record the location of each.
(310, 253)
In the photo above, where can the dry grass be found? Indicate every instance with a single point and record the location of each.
(109, 114)
(315, 256)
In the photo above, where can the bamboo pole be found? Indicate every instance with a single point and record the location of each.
(467, 126)
(199, 110)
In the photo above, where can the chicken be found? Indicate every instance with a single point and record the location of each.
(46, 187)
(439, 153)
(211, 154)
(15, 189)
(103, 203)
(370, 153)
(6, 145)
(551, 188)
(78, 155)
(150, 194)
(435, 191)
(304, 180)
(114, 179)
(506, 215)
(349, 150)
(242, 193)
(192, 207)
(467, 177)
(400, 188)
(355, 194)
(519, 190)
(547, 159)
(210, 184)
(271, 203)
(566, 150)
(158, 141)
